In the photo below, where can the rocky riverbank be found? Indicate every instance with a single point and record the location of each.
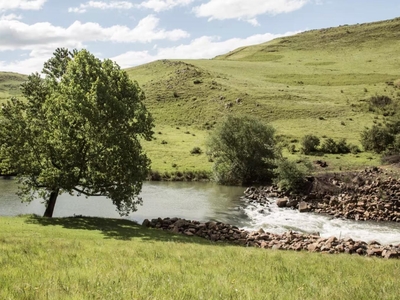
(371, 194)
(220, 232)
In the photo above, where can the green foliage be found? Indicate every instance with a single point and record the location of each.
(329, 146)
(376, 139)
(244, 151)
(309, 144)
(78, 131)
(290, 175)
(332, 147)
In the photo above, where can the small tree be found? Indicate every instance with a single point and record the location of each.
(291, 176)
(376, 139)
(329, 146)
(77, 130)
(309, 144)
(243, 149)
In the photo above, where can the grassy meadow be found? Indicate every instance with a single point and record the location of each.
(316, 82)
(94, 258)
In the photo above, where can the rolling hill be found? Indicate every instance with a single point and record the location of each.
(316, 82)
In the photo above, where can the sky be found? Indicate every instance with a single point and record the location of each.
(137, 32)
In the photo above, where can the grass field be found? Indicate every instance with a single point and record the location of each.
(315, 82)
(9, 85)
(91, 258)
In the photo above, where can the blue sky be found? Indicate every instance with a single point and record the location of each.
(137, 32)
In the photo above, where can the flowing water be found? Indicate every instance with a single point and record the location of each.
(204, 202)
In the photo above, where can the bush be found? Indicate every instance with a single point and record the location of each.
(291, 176)
(332, 147)
(376, 139)
(329, 146)
(244, 151)
(342, 147)
(196, 150)
(309, 144)
(380, 101)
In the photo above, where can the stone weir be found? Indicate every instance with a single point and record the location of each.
(220, 232)
(367, 195)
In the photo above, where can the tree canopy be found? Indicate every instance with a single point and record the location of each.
(78, 131)
(243, 150)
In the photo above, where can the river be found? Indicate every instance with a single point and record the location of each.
(204, 202)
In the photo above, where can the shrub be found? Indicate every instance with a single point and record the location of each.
(309, 144)
(329, 146)
(244, 151)
(376, 139)
(291, 176)
(342, 147)
(196, 150)
(380, 101)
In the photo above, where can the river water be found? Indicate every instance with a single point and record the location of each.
(204, 202)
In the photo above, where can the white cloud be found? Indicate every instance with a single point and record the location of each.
(246, 10)
(101, 5)
(21, 4)
(40, 39)
(16, 34)
(160, 5)
(10, 17)
(155, 5)
(203, 47)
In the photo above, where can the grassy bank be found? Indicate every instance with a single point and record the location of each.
(93, 258)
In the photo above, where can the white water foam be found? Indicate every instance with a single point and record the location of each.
(279, 220)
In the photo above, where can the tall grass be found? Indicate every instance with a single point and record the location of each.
(91, 258)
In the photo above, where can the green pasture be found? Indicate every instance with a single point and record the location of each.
(94, 258)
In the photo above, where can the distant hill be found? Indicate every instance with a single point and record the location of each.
(363, 37)
(9, 84)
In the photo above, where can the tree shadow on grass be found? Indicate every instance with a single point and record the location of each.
(120, 229)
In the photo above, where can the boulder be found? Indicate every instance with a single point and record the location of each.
(281, 202)
(303, 207)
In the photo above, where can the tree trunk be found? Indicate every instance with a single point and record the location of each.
(50, 204)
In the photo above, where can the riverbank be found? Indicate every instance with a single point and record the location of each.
(369, 195)
(82, 258)
(220, 232)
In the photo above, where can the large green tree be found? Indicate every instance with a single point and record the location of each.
(243, 150)
(77, 131)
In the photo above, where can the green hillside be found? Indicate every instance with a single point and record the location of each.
(9, 84)
(316, 82)
(292, 82)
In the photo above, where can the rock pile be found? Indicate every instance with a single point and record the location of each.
(220, 232)
(362, 196)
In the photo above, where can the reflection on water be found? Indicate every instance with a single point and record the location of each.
(204, 202)
(196, 201)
